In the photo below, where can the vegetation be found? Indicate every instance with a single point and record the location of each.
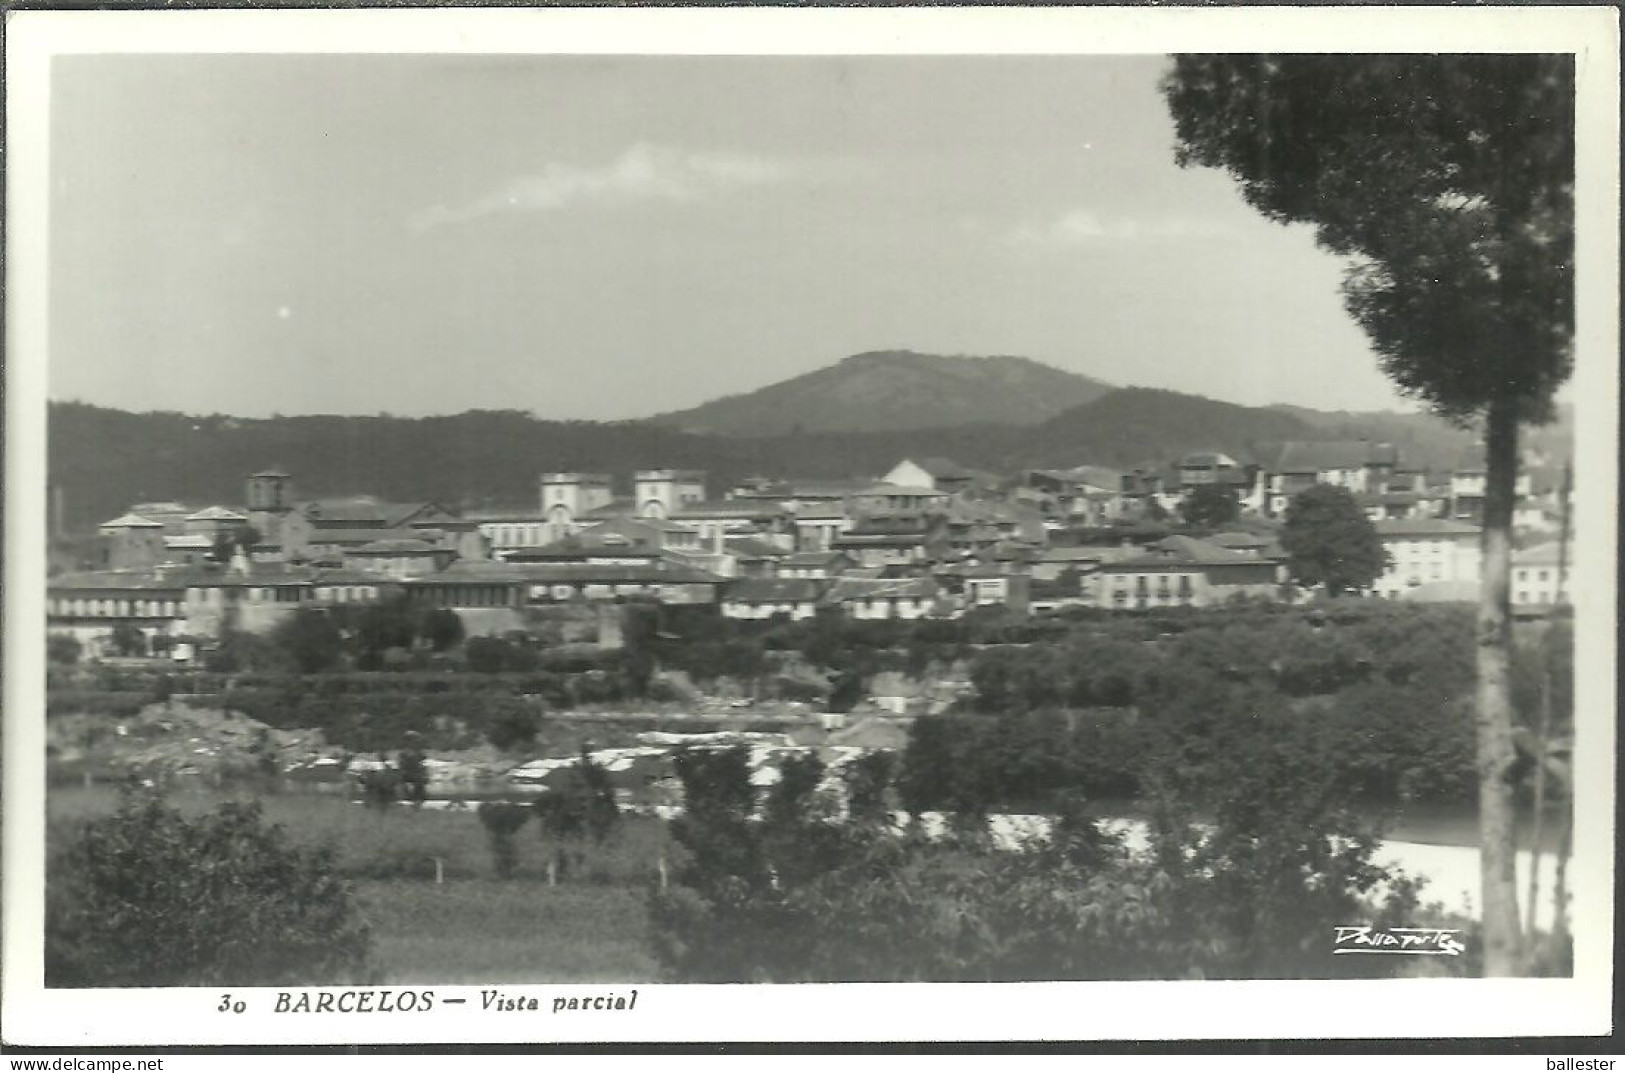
(1448, 183)
(151, 897)
(1330, 543)
(98, 453)
(796, 896)
(63, 648)
(1210, 506)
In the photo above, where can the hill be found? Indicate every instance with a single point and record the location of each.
(1149, 426)
(890, 390)
(104, 459)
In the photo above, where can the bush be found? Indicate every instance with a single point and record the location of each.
(514, 727)
(63, 648)
(149, 898)
(502, 821)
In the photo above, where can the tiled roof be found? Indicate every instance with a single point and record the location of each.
(1313, 456)
(1181, 551)
(343, 508)
(728, 508)
(131, 521)
(504, 514)
(884, 489)
(752, 548)
(116, 581)
(1541, 555)
(1073, 555)
(1206, 458)
(350, 577)
(1413, 527)
(398, 547)
(812, 558)
(826, 512)
(361, 536)
(1241, 540)
(216, 514)
(658, 571)
(855, 588)
(778, 590)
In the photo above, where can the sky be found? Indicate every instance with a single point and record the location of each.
(604, 237)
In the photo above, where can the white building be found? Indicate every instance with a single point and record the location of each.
(1535, 575)
(1426, 551)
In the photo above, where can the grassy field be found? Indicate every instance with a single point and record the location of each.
(472, 927)
(470, 931)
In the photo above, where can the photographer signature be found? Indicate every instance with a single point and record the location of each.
(1365, 939)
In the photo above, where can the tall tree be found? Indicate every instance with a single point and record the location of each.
(1448, 183)
(1210, 506)
(1330, 542)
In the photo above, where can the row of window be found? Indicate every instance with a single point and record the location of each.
(110, 607)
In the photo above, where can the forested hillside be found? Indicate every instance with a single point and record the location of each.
(105, 459)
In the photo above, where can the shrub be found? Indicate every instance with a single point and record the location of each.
(147, 897)
(63, 648)
(502, 821)
(514, 727)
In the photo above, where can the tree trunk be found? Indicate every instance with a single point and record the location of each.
(1498, 845)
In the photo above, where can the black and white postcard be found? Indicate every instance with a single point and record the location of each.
(968, 524)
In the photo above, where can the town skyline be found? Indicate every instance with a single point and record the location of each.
(430, 235)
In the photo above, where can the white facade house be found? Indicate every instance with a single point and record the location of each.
(1537, 576)
(1427, 551)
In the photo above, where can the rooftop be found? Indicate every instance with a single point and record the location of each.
(216, 514)
(1312, 456)
(131, 521)
(1419, 527)
(774, 590)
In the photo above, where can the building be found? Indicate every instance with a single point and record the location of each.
(132, 542)
(750, 557)
(886, 498)
(567, 498)
(1540, 575)
(819, 565)
(1357, 465)
(760, 598)
(659, 493)
(1427, 551)
(89, 605)
(1182, 571)
(817, 525)
(900, 540)
(399, 558)
(716, 518)
(939, 474)
(215, 523)
(504, 531)
(883, 598)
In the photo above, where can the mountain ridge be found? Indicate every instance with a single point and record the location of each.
(891, 390)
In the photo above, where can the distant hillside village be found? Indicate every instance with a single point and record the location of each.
(929, 538)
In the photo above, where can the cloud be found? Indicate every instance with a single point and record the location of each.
(643, 172)
(1080, 226)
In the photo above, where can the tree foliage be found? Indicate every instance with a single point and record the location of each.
(1448, 182)
(148, 897)
(1330, 542)
(1210, 506)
